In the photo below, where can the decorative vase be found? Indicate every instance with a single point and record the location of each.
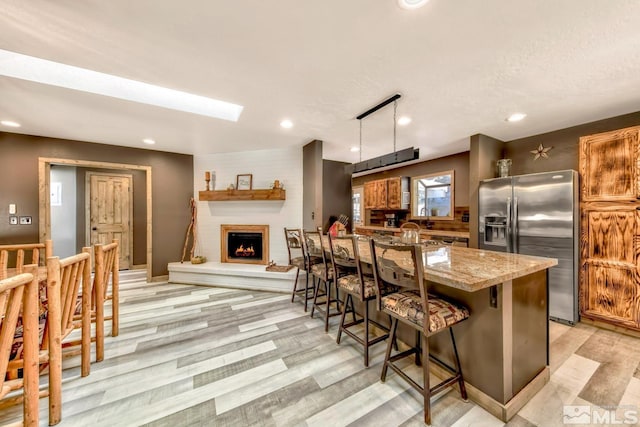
(504, 167)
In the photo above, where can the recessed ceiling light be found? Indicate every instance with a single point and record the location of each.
(38, 70)
(148, 141)
(404, 120)
(286, 124)
(516, 117)
(10, 123)
(355, 149)
(411, 4)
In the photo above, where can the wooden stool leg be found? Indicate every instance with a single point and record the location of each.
(387, 356)
(418, 347)
(426, 391)
(342, 317)
(306, 289)
(328, 306)
(295, 285)
(366, 333)
(463, 389)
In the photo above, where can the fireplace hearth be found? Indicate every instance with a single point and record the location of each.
(246, 244)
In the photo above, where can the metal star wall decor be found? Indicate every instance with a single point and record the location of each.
(541, 151)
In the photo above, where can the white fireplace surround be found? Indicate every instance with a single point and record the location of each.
(266, 166)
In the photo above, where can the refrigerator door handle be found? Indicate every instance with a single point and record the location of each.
(508, 226)
(516, 243)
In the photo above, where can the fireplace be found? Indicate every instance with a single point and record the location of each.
(244, 244)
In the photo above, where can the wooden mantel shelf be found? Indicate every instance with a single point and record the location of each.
(234, 195)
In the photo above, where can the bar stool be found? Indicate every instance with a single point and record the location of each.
(355, 278)
(295, 246)
(401, 265)
(322, 278)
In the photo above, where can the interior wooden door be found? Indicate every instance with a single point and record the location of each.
(610, 289)
(110, 205)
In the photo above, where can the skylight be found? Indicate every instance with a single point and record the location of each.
(38, 70)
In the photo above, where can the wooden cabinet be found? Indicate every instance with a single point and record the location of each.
(609, 166)
(610, 228)
(386, 193)
(395, 188)
(375, 194)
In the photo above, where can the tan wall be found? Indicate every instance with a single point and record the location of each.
(172, 188)
(564, 154)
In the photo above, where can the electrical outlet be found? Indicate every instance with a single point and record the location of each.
(13, 220)
(25, 220)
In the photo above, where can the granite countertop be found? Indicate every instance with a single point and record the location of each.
(470, 269)
(475, 269)
(445, 233)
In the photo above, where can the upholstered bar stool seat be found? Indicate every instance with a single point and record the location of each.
(408, 306)
(323, 274)
(298, 262)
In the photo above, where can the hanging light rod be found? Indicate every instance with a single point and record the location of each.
(379, 106)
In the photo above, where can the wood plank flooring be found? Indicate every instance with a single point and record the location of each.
(202, 356)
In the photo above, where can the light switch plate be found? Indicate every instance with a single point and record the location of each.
(25, 220)
(12, 209)
(13, 220)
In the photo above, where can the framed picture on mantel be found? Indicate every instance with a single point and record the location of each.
(244, 182)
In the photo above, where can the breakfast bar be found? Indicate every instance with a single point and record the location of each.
(504, 345)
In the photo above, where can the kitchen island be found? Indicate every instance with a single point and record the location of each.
(504, 345)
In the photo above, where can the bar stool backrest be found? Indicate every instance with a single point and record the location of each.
(293, 237)
(399, 265)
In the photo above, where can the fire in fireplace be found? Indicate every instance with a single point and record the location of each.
(245, 244)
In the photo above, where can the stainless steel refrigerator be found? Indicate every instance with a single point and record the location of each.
(536, 214)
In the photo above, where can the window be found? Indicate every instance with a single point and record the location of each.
(357, 203)
(433, 196)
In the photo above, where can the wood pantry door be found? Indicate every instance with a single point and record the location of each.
(609, 269)
(110, 210)
(610, 227)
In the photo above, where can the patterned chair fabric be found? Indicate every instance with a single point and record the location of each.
(298, 262)
(408, 305)
(351, 284)
(320, 271)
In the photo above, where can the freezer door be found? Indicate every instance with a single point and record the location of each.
(494, 208)
(545, 224)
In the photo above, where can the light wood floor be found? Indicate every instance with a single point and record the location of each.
(202, 356)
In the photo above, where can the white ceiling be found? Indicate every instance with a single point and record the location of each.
(462, 67)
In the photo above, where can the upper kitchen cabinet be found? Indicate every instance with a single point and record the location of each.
(398, 193)
(609, 166)
(375, 194)
(390, 193)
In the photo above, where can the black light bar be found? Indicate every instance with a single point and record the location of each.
(400, 156)
(379, 106)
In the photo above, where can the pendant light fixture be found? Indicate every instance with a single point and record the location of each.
(388, 159)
